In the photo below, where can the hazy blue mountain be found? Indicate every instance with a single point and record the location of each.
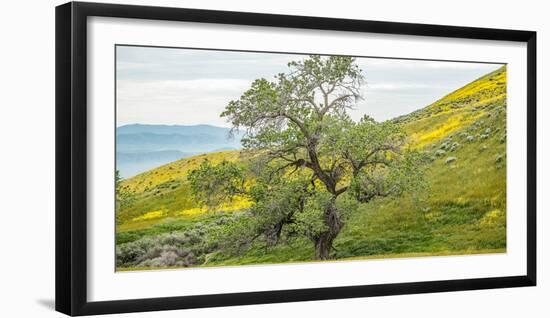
(172, 129)
(143, 147)
(130, 164)
(187, 143)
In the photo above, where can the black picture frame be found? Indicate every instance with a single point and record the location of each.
(71, 157)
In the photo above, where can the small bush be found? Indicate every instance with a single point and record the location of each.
(454, 146)
(450, 159)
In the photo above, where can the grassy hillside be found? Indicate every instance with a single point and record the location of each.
(162, 194)
(465, 133)
(463, 212)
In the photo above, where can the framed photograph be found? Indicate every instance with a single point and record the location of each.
(210, 158)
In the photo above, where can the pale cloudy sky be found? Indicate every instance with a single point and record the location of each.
(186, 86)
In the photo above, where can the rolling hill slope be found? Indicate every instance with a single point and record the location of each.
(464, 211)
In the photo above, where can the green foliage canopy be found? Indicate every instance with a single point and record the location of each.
(312, 162)
(218, 183)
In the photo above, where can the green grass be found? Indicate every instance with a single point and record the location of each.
(464, 211)
(165, 225)
(355, 258)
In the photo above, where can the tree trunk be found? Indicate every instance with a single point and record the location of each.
(273, 235)
(323, 243)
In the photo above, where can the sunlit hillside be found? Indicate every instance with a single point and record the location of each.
(162, 194)
(464, 211)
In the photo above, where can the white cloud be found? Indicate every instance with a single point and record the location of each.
(186, 86)
(187, 102)
(398, 86)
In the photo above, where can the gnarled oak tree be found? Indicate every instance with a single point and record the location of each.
(313, 164)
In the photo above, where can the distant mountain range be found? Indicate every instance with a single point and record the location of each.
(142, 147)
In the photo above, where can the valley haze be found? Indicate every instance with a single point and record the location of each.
(142, 147)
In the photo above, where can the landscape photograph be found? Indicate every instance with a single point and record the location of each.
(233, 158)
